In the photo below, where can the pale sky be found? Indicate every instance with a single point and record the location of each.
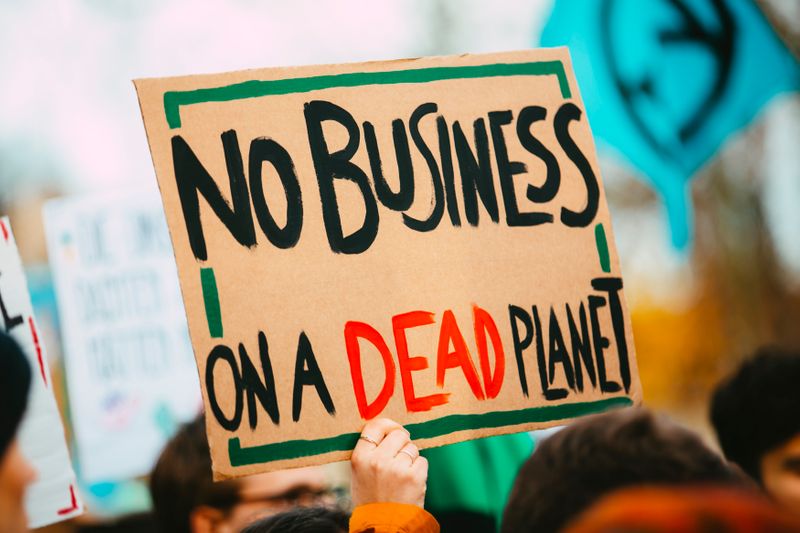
(70, 117)
(69, 110)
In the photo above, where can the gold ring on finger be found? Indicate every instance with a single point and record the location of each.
(409, 454)
(367, 439)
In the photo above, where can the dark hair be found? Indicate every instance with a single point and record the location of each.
(572, 469)
(758, 408)
(302, 520)
(181, 480)
(15, 382)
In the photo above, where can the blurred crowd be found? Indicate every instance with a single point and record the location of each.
(630, 470)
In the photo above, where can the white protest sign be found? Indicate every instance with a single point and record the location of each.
(53, 496)
(131, 376)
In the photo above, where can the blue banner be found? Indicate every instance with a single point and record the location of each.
(665, 82)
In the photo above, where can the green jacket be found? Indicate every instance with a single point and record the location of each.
(475, 476)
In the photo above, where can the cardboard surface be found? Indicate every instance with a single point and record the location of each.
(426, 240)
(53, 496)
(130, 374)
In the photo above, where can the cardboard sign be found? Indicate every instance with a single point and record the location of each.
(129, 366)
(52, 497)
(425, 240)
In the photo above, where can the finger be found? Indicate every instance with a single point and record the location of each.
(419, 472)
(379, 428)
(392, 444)
(375, 431)
(420, 468)
(408, 454)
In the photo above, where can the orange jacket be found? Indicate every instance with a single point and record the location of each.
(392, 518)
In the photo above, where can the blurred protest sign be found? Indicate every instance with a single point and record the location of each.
(666, 84)
(129, 368)
(52, 497)
(426, 240)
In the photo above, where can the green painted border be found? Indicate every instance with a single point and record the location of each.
(602, 247)
(174, 100)
(211, 300)
(294, 449)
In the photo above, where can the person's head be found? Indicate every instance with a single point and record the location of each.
(302, 520)
(15, 471)
(686, 509)
(756, 414)
(187, 500)
(596, 455)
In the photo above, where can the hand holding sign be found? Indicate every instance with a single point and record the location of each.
(386, 466)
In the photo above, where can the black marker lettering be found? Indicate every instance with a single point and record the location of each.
(581, 347)
(547, 191)
(476, 172)
(403, 198)
(307, 372)
(437, 203)
(612, 286)
(549, 394)
(337, 165)
(9, 322)
(600, 344)
(558, 352)
(266, 150)
(447, 170)
(566, 114)
(192, 178)
(254, 387)
(223, 353)
(520, 343)
(506, 170)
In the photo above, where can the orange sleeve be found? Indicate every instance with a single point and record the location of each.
(392, 518)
